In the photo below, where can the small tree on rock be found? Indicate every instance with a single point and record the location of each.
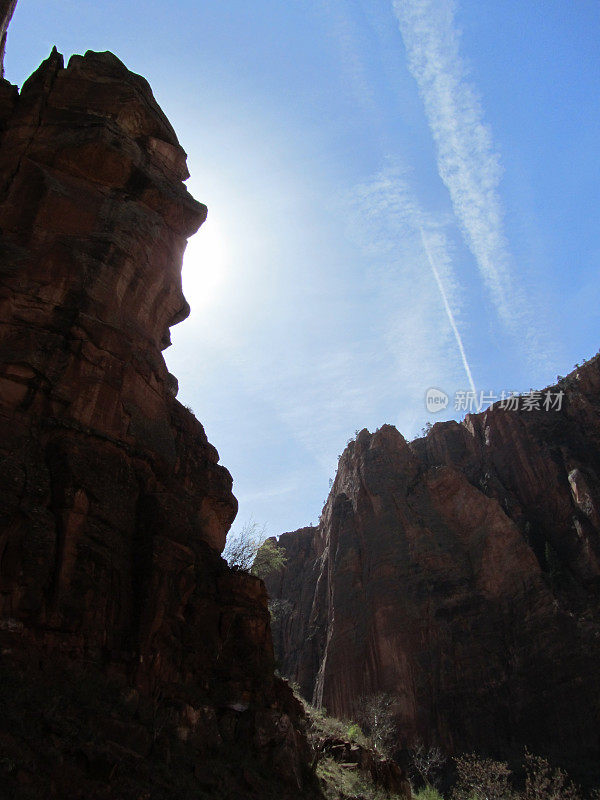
(376, 713)
(427, 763)
(251, 551)
(241, 548)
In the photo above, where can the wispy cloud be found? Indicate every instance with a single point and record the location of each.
(414, 247)
(346, 36)
(468, 162)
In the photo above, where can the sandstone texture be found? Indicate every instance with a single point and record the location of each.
(113, 507)
(460, 573)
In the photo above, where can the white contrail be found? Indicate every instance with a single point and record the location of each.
(389, 202)
(449, 313)
(467, 161)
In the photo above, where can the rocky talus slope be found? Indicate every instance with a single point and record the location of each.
(459, 572)
(133, 662)
(348, 765)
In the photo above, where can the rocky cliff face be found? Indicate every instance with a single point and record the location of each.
(113, 507)
(461, 573)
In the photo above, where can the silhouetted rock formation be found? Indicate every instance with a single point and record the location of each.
(7, 8)
(114, 509)
(459, 572)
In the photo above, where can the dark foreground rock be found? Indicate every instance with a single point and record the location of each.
(460, 573)
(129, 651)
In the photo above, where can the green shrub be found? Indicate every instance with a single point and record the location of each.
(354, 732)
(269, 558)
(345, 781)
(324, 726)
(428, 793)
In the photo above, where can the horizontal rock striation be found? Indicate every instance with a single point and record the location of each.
(113, 507)
(461, 573)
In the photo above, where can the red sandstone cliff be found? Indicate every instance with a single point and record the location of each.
(460, 572)
(142, 657)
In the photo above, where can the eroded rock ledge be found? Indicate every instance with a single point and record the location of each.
(113, 507)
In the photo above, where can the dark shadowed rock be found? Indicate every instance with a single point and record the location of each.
(113, 507)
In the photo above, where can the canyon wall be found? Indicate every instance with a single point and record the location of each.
(459, 572)
(113, 507)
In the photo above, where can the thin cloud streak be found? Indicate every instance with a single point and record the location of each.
(410, 245)
(467, 161)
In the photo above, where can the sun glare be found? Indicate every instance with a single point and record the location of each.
(205, 264)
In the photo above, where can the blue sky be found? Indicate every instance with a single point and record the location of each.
(402, 194)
